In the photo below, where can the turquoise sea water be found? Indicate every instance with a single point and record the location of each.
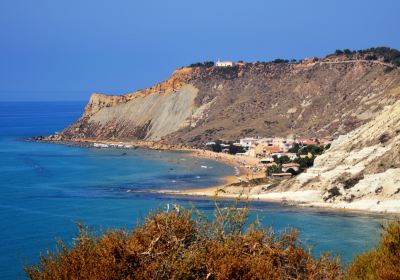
(46, 188)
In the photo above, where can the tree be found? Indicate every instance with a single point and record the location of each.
(388, 69)
(281, 160)
(217, 148)
(338, 52)
(371, 57)
(295, 148)
(273, 169)
(305, 162)
(327, 146)
(347, 51)
(313, 149)
(280, 60)
(196, 64)
(233, 149)
(208, 64)
(292, 171)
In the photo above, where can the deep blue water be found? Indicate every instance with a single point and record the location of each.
(46, 188)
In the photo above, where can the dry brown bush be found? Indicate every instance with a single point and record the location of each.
(183, 244)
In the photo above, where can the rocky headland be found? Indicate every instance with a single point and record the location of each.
(353, 97)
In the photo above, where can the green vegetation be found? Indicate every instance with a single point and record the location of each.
(388, 55)
(295, 149)
(281, 160)
(273, 169)
(205, 64)
(305, 162)
(305, 157)
(314, 150)
(184, 244)
(280, 60)
(388, 69)
(232, 149)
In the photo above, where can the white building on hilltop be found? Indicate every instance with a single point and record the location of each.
(224, 63)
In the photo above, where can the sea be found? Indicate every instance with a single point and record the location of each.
(47, 189)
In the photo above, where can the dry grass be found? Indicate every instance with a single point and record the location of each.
(185, 245)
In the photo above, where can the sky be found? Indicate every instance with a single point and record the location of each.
(64, 50)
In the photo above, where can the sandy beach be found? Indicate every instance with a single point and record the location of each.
(246, 170)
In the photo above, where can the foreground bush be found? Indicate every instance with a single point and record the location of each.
(183, 244)
(381, 263)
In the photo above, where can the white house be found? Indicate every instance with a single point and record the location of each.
(266, 160)
(292, 156)
(292, 165)
(224, 63)
(247, 142)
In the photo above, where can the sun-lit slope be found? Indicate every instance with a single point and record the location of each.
(198, 104)
(361, 169)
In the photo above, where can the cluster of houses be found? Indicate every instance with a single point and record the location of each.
(112, 145)
(267, 149)
(261, 147)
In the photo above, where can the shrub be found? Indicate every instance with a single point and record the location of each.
(388, 69)
(281, 159)
(206, 64)
(381, 263)
(280, 60)
(347, 51)
(313, 149)
(185, 245)
(273, 169)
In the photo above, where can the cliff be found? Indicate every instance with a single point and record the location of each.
(317, 97)
(361, 170)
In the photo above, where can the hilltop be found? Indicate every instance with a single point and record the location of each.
(315, 96)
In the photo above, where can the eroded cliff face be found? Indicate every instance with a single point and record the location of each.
(198, 104)
(361, 167)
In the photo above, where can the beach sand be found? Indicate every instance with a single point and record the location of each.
(244, 166)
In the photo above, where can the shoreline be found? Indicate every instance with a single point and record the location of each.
(304, 199)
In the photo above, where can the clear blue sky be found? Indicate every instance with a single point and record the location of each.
(64, 50)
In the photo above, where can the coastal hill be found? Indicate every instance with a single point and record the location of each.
(361, 170)
(320, 97)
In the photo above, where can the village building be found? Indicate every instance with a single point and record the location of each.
(309, 155)
(294, 166)
(291, 156)
(224, 63)
(281, 176)
(266, 160)
(308, 142)
(247, 142)
(100, 145)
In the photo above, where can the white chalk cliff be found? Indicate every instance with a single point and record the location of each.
(361, 170)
